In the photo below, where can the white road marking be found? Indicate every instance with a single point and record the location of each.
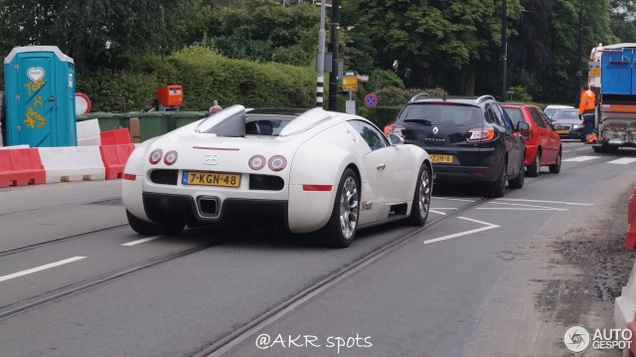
(579, 149)
(40, 268)
(140, 241)
(522, 207)
(439, 212)
(540, 201)
(582, 158)
(455, 199)
(623, 161)
(477, 230)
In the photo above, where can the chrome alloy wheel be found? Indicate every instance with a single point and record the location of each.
(424, 198)
(349, 198)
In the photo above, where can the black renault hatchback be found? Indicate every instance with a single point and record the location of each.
(468, 140)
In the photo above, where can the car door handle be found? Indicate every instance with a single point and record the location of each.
(381, 167)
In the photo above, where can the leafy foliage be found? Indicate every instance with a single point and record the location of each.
(264, 31)
(124, 50)
(97, 33)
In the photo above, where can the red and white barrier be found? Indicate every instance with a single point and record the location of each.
(21, 165)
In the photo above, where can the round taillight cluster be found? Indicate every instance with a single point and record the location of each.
(168, 159)
(275, 163)
(257, 162)
(155, 156)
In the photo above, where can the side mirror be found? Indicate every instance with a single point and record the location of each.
(522, 125)
(395, 139)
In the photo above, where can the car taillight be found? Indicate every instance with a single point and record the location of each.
(128, 177)
(481, 135)
(323, 188)
(393, 129)
(529, 134)
(170, 158)
(256, 162)
(276, 163)
(155, 156)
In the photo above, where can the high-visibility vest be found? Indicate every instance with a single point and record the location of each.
(588, 100)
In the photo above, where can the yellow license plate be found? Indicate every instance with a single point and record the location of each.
(441, 159)
(562, 131)
(211, 179)
(594, 72)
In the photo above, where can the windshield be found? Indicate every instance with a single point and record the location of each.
(514, 114)
(566, 114)
(444, 114)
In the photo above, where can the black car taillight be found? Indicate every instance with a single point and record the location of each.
(393, 129)
(481, 135)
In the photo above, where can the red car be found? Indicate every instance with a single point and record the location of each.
(543, 145)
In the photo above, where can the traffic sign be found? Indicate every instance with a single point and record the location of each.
(370, 100)
(350, 82)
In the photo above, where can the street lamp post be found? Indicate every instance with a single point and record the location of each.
(320, 65)
(504, 49)
(333, 76)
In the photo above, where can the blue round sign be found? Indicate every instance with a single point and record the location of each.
(370, 100)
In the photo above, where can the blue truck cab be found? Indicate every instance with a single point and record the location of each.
(616, 94)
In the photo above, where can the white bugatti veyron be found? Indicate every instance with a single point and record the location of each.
(307, 171)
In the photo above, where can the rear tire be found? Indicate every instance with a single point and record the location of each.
(556, 168)
(173, 225)
(518, 181)
(341, 228)
(140, 226)
(535, 166)
(498, 187)
(421, 197)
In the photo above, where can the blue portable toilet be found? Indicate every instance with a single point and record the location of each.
(40, 97)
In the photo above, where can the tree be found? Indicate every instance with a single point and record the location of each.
(433, 43)
(544, 56)
(264, 31)
(622, 19)
(97, 32)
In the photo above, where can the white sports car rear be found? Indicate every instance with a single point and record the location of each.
(315, 171)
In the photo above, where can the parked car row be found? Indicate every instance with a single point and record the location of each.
(315, 172)
(328, 174)
(481, 140)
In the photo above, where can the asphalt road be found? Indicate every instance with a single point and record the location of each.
(75, 280)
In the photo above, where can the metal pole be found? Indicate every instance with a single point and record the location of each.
(320, 61)
(580, 54)
(333, 76)
(504, 49)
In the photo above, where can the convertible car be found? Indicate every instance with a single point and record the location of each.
(314, 171)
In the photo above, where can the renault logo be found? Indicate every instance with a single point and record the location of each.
(435, 130)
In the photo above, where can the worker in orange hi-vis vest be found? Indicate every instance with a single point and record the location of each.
(587, 108)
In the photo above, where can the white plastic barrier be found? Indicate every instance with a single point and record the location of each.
(625, 305)
(22, 146)
(72, 163)
(88, 133)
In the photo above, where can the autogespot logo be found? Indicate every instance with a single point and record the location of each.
(576, 338)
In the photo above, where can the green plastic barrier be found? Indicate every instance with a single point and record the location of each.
(107, 121)
(153, 124)
(185, 118)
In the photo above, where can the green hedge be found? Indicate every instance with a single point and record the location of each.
(380, 116)
(205, 76)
